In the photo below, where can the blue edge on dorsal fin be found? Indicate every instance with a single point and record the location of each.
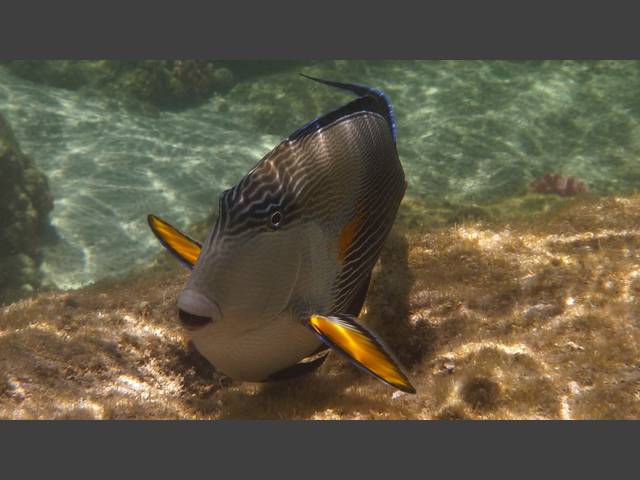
(369, 100)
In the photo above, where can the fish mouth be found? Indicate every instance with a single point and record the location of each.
(196, 311)
(191, 321)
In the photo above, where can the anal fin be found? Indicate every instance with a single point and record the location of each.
(297, 370)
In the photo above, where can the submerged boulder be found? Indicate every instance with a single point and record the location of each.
(170, 84)
(70, 74)
(25, 202)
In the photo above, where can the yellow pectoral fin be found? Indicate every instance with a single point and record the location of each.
(344, 334)
(180, 245)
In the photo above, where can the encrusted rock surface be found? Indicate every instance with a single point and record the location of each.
(25, 202)
(493, 320)
(173, 84)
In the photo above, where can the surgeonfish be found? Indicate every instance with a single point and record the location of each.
(283, 274)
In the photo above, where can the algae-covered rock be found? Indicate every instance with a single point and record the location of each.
(414, 213)
(173, 84)
(70, 74)
(491, 319)
(25, 202)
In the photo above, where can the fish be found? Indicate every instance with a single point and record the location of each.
(284, 272)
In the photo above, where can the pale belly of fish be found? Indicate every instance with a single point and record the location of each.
(255, 354)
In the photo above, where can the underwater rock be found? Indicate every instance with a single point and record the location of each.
(172, 84)
(175, 84)
(70, 74)
(514, 320)
(244, 69)
(415, 213)
(558, 184)
(25, 202)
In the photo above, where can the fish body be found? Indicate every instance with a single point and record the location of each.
(284, 271)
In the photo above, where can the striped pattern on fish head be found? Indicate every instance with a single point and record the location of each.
(251, 260)
(304, 227)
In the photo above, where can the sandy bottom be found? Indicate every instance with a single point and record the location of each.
(535, 319)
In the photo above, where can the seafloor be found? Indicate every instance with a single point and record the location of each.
(502, 297)
(493, 319)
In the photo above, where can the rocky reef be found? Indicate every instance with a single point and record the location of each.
(528, 318)
(25, 202)
(166, 84)
(171, 84)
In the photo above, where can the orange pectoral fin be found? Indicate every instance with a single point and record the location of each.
(345, 335)
(184, 248)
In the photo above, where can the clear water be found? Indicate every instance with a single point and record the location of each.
(468, 132)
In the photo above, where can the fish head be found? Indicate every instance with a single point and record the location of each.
(248, 268)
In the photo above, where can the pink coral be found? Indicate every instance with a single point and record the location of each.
(558, 184)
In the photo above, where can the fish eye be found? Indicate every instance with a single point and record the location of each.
(275, 219)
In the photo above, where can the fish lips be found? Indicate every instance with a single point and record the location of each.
(196, 311)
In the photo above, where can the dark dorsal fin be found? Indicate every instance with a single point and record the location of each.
(370, 100)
